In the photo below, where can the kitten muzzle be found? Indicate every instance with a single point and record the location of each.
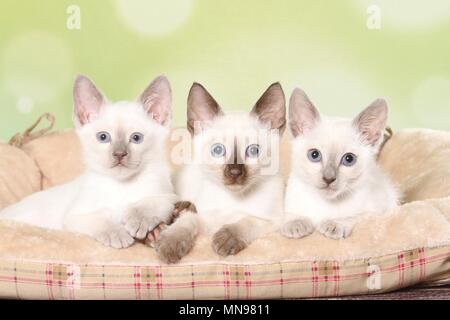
(329, 174)
(235, 174)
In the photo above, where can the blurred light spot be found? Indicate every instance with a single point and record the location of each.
(337, 92)
(25, 105)
(407, 14)
(430, 103)
(153, 17)
(36, 65)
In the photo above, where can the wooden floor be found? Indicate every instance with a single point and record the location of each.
(419, 293)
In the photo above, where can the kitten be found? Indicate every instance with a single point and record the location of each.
(235, 199)
(125, 191)
(334, 176)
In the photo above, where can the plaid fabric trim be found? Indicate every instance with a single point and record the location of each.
(35, 280)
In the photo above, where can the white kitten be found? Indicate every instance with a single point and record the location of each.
(125, 191)
(234, 199)
(334, 175)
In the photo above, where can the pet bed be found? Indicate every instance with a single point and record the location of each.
(408, 246)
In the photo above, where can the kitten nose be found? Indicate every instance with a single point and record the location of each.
(329, 180)
(120, 154)
(234, 170)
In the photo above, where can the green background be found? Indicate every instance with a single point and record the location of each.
(235, 48)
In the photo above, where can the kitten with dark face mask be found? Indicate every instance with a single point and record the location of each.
(334, 174)
(236, 199)
(125, 191)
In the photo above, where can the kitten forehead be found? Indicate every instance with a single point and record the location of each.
(240, 125)
(334, 134)
(237, 121)
(333, 128)
(124, 117)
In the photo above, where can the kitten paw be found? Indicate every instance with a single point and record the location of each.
(153, 235)
(298, 228)
(139, 224)
(227, 242)
(174, 243)
(115, 237)
(334, 229)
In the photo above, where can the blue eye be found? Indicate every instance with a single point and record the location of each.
(349, 159)
(252, 151)
(218, 150)
(103, 137)
(314, 155)
(137, 138)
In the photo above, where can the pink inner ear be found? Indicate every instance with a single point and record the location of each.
(157, 117)
(87, 100)
(86, 115)
(157, 100)
(303, 114)
(83, 117)
(371, 122)
(157, 108)
(371, 137)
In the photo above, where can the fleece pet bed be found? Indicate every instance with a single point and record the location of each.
(408, 246)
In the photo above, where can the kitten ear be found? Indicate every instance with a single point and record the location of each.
(303, 115)
(271, 107)
(157, 100)
(372, 121)
(87, 101)
(201, 107)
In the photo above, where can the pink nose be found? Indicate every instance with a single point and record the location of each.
(236, 172)
(120, 155)
(330, 180)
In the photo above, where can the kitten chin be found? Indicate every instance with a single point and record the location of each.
(335, 195)
(245, 189)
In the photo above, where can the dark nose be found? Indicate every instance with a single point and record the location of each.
(120, 155)
(329, 181)
(234, 170)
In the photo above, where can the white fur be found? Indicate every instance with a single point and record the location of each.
(112, 203)
(200, 183)
(361, 189)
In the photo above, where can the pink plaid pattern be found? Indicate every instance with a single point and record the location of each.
(35, 280)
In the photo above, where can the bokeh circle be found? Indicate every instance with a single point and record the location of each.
(36, 68)
(153, 17)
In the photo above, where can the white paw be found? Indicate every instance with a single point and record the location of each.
(298, 228)
(116, 237)
(139, 224)
(335, 229)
